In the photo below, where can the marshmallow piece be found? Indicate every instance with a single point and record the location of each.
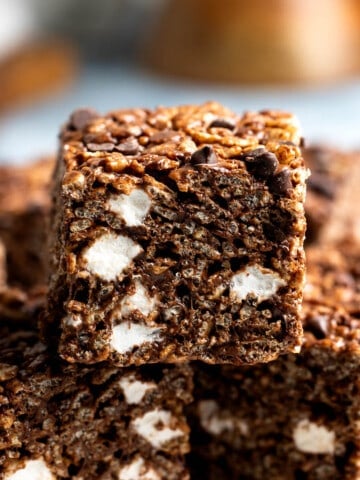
(110, 254)
(216, 424)
(72, 321)
(154, 427)
(33, 470)
(126, 336)
(132, 208)
(260, 282)
(134, 390)
(136, 470)
(140, 300)
(310, 437)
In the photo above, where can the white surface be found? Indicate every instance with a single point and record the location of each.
(33, 470)
(312, 438)
(136, 470)
(126, 336)
(260, 282)
(216, 422)
(110, 254)
(328, 113)
(132, 208)
(134, 390)
(140, 301)
(154, 427)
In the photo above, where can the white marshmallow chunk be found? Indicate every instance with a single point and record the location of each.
(216, 424)
(139, 300)
(72, 320)
(260, 282)
(126, 336)
(33, 470)
(132, 208)
(136, 470)
(154, 427)
(134, 390)
(312, 438)
(110, 254)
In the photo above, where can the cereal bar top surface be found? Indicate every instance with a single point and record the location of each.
(167, 138)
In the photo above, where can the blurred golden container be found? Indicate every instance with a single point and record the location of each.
(34, 70)
(266, 41)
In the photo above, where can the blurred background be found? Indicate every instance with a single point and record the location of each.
(297, 55)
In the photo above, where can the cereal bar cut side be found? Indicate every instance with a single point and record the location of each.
(297, 417)
(62, 421)
(177, 234)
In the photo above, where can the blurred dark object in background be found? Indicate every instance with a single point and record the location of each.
(35, 69)
(105, 30)
(258, 41)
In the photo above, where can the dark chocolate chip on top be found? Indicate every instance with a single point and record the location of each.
(227, 123)
(204, 155)
(82, 117)
(280, 184)
(261, 163)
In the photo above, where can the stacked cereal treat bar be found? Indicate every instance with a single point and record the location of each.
(24, 211)
(296, 418)
(177, 234)
(24, 208)
(329, 170)
(62, 421)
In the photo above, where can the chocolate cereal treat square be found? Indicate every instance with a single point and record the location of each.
(329, 170)
(177, 234)
(296, 418)
(62, 421)
(24, 211)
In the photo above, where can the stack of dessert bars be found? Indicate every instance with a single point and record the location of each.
(152, 317)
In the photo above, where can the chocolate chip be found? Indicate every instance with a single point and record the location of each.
(228, 123)
(100, 147)
(261, 163)
(129, 147)
(302, 142)
(82, 117)
(318, 325)
(205, 155)
(280, 184)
